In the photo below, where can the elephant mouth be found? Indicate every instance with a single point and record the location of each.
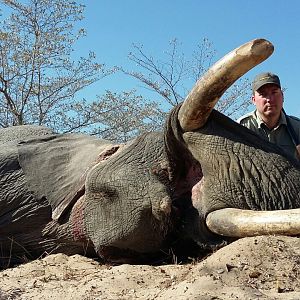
(234, 222)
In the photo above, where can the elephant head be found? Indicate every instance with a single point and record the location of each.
(242, 177)
(203, 165)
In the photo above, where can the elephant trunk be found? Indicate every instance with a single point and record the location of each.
(233, 222)
(208, 90)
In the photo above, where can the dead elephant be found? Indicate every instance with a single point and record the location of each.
(76, 194)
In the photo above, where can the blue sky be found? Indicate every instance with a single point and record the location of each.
(113, 25)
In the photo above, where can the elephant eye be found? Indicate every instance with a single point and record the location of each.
(104, 193)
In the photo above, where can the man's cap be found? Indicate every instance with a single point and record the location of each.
(264, 78)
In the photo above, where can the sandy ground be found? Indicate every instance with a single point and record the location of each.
(251, 268)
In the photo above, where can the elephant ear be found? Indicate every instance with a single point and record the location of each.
(55, 167)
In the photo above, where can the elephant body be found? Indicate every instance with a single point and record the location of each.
(75, 193)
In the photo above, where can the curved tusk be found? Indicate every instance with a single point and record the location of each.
(233, 222)
(198, 105)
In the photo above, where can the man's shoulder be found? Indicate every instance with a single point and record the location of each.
(295, 122)
(247, 117)
(294, 119)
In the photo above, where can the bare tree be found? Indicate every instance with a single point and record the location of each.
(38, 77)
(114, 116)
(172, 77)
(39, 80)
(129, 115)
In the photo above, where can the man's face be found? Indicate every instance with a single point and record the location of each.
(268, 100)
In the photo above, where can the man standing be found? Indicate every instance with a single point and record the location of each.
(269, 119)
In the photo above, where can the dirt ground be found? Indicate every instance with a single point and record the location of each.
(264, 267)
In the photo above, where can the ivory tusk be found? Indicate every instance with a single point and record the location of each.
(233, 222)
(198, 105)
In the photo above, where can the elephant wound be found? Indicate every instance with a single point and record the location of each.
(108, 152)
(197, 192)
(77, 220)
